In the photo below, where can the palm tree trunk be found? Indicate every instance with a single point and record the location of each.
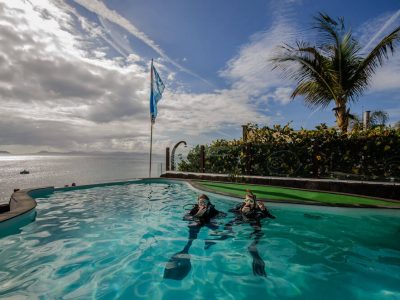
(342, 116)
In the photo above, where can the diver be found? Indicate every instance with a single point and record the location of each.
(252, 209)
(252, 212)
(203, 211)
(202, 214)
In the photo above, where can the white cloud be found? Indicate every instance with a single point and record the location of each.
(53, 91)
(251, 72)
(387, 77)
(64, 93)
(387, 25)
(104, 12)
(282, 95)
(60, 88)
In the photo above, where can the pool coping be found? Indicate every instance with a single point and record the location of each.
(22, 202)
(389, 191)
(290, 201)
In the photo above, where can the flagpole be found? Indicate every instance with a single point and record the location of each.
(151, 147)
(151, 120)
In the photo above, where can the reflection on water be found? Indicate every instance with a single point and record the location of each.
(115, 242)
(59, 170)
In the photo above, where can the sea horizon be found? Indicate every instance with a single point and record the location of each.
(64, 169)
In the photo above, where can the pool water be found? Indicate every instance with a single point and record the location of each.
(114, 242)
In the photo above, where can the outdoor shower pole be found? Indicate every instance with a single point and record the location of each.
(173, 154)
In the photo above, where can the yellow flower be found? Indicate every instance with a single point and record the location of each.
(318, 157)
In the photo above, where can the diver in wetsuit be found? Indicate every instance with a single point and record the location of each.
(251, 211)
(200, 215)
(203, 211)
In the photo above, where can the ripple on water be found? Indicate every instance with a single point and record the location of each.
(114, 242)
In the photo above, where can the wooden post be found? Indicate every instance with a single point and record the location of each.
(366, 119)
(202, 159)
(248, 149)
(244, 133)
(167, 157)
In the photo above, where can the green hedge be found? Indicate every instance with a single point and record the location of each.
(323, 152)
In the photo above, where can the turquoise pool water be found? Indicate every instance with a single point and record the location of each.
(113, 242)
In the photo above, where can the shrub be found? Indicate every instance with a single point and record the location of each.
(322, 152)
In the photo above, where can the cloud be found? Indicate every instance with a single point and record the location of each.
(250, 70)
(61, 87)
(48, 79)
(387, 77)
(105, 13)
(282, 95)
(58, 89)
(102, 10)
(387, 25)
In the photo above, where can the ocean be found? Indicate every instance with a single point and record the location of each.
(60, 170)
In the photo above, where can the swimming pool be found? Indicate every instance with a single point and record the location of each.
(114, 242)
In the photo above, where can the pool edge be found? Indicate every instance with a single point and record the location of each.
(22, 202)
(300, 202)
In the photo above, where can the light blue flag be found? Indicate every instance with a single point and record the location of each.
(157, 88)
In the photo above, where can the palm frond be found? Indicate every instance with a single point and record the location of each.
(378, 54)
(328, 28)
(308, 68)
(379, 118)
(333, 69)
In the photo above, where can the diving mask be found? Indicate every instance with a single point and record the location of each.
(203, 202)
(250, 200)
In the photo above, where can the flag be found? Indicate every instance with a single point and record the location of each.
(157, 88)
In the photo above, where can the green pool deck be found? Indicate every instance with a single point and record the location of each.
(292, 195)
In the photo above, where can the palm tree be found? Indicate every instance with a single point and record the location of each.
(334, 70)
(378, 118)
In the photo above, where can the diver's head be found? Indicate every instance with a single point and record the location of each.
(250, 199)
(203, 200)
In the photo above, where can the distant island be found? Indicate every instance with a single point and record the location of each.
(140, 155)
(115, 153)
(84, 152)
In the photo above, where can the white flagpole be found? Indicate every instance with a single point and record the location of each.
(151, 120)
(151, 147)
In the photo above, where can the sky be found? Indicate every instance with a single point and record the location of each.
(74, 74)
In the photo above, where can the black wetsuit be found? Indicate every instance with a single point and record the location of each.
(210, 213)
(200, 221)
(179, 264)
(253, 214)
(253, 218)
